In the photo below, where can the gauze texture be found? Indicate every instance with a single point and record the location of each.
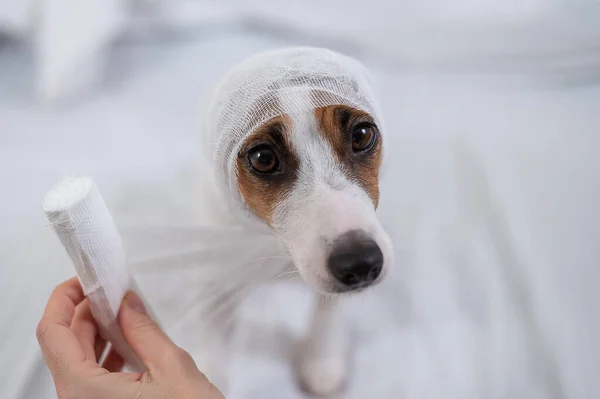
(277, 82)
(85, 227)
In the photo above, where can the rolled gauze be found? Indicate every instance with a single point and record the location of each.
(80, 218)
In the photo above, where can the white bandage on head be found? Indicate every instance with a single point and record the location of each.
(85, 227)
(277, 82)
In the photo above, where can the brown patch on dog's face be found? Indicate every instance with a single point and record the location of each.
(356, 142)
(262, 183)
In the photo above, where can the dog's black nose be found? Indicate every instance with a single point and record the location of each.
(355, 260)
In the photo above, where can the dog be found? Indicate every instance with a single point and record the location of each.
(311, 177)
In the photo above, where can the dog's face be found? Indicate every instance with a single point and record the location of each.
(314, 178)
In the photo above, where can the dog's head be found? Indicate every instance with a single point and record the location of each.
(295, 138)
(313, 177)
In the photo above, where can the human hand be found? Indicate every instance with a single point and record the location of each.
(71, 344)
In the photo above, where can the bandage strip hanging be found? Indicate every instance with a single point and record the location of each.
(80, 218)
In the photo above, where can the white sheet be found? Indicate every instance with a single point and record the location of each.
(493, 198)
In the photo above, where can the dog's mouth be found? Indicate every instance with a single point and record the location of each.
(333, 286)
(355, 289)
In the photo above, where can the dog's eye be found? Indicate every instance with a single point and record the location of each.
(263, 160)
(363, 137)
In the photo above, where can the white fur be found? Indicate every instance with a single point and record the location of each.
(322, 363)
(323, 205)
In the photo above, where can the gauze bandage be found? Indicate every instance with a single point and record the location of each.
(273, 83)
(85, 227)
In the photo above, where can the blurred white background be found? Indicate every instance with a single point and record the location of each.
(492, 192)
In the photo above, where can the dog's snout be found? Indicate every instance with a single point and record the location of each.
(355, 260)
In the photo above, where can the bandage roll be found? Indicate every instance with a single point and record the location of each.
(80, 218)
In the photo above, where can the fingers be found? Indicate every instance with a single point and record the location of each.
(58, 343)
(145, 337)
(69, 338)
(84, 328)
(119, 386)
(114, 362)
(63, 300)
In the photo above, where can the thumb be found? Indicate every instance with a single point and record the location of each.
(142, 333)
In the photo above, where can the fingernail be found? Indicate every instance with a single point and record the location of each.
(134, 302)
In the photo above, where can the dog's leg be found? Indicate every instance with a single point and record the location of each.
(322, 366)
